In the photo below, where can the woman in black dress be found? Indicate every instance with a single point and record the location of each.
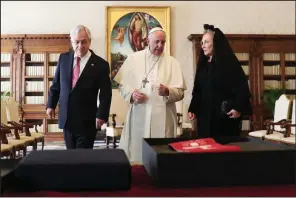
(221, 94)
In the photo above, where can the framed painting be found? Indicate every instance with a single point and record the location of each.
(127, 30)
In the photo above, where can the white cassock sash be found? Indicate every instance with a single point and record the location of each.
(158, 115)
(150, 116)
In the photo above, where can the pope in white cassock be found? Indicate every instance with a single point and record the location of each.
(152, 82)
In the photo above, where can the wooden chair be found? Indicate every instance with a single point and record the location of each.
(184, 128)
(14, 111)
(281, 115)
(7, 150)
(290, 134)
(18, 144)
(179, 124)
(113, 131)
(278, 132)
(20, 141)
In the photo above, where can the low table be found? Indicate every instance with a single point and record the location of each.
(258, 163)
(6, 168)
(73, 170)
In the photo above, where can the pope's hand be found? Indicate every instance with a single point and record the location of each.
(139, 97)
(163, 90)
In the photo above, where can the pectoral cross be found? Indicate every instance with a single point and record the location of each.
(144, 82)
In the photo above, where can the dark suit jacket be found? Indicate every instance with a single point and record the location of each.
(78, 106)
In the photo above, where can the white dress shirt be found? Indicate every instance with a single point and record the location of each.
(83, 61)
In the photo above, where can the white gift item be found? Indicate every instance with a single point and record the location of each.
(187, 125)
(114, 132)
(103, 127)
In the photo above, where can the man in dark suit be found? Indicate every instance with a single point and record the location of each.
(79, 77)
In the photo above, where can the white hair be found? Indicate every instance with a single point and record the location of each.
(77, 29)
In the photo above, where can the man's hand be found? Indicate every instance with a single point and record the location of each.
(99, 123)
(191, 116)
(139, 97)
(234, 114)
(163, 90)
(50, 113)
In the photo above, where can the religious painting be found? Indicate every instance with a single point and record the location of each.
(127, 31)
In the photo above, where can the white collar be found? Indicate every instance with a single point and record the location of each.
(152, 56)
(86, 56)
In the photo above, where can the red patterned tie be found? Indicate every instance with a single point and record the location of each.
(76, 72)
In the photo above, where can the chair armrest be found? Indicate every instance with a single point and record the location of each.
(11, 127)
(32, 123)
(288, 126)
(281, 122)
(270, 125)
(15, 124)
(26, 124)
(3, 132)
(16, 128)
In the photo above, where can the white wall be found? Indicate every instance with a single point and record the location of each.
(255, 17)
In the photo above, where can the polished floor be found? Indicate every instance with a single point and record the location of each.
(58, 145)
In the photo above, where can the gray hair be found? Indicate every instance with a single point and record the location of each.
(209, 31)
(77, 29)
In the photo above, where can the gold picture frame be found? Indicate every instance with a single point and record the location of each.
(127, 28)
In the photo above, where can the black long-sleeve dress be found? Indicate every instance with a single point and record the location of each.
(214, 84)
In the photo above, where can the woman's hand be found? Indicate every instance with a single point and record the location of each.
(191, 116)
(234, 114)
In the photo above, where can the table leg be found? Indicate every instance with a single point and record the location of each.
(107, 141)
(114, 142)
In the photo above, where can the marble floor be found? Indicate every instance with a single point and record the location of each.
(60, 145)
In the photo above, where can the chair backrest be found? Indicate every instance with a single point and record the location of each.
(3, 112)
(281, 111)
(13, 110)
(293, 121)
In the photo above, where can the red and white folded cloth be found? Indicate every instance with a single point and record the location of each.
(202, 145)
